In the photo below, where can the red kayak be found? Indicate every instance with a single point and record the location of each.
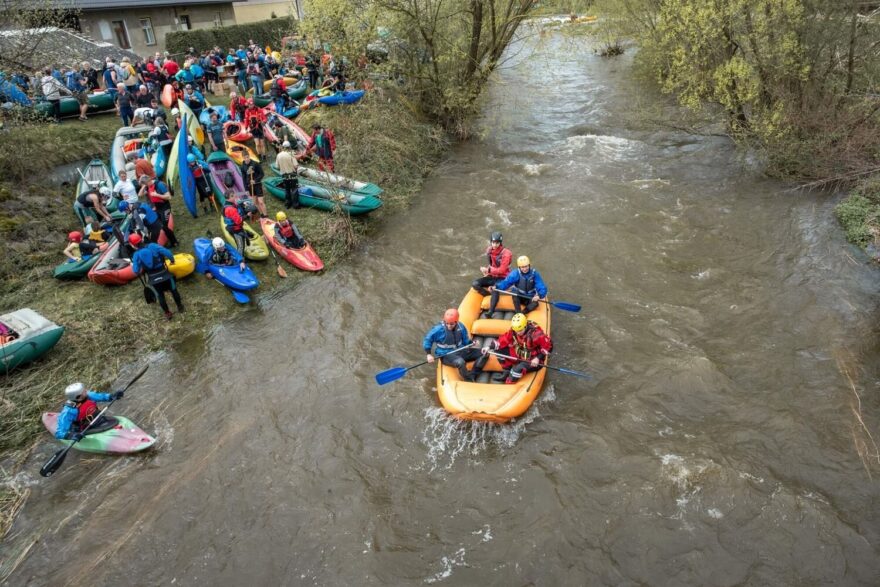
(113, 269)
(236, 131)
(305, 258)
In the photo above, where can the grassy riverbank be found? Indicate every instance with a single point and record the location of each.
(379, 140)
(859, 214)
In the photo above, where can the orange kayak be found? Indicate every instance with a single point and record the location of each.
(305, 258)
(485, 399)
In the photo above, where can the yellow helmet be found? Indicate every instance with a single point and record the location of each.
(280, 216)
(523, 261)
(518, 322)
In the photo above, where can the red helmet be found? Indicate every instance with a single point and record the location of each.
(134, 239)
(75, 236)
(450, 316)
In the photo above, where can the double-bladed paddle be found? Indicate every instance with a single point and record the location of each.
(568, 307)
(560, 369)
(57, 459)
(396, 373)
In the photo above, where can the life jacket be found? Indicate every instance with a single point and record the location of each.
(221, 257)
(526, 283)
(525, 345)
(453, 339)
(496, 260)
(152, 193)
(231, 218)
(86, 412)
(275, 90)
(285, 229)
(154, 265)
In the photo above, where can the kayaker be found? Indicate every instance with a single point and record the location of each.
(156, 193)
(216, 136)
(235, 224)
(498, 267)
(323, 143)
(125, 188)
(449, 335)
(278, 91)
(143, 219)
(526, 341)
(252, 172)
(149, 259)
(194, 99)
(522, 280)
(79, 410)
(78, 248)
(222, 256)
(93, 200)
(201, 179)
(287, 166)
(255, 118)
(287, 233)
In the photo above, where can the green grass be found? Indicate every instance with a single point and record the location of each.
(859, 213)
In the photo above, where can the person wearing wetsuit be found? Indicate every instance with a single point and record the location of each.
(157, 194)
(448, 336)
(93, 200)
(222, 256)
(143, 220)
(498, 266)
(149, 259)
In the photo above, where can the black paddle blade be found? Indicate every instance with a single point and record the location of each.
(54, 463)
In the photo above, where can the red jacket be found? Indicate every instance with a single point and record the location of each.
(530, 343)
(232, 218)
(237, 105)
(499, 263)
(254, 117)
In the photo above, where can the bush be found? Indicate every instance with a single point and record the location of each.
(856, 215)
(265, 32)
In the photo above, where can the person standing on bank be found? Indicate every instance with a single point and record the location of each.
(252, 172)
(288, 166)
(323, 144)
(450, 335)
(157, 195)
(149, 259)
(524, 281)
(498, 266)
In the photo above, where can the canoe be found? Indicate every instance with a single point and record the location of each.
(93, 176)
(484, 399)
(118, 435)
(187, 180)
(99, 101)
(220, 168)
(235, 150)
(113, 269)
(298, 131)
(184, 264)
(193, 127)
(331, 180)
(168, 96)
(236, 131)
(75, 269)
(255, 250)
(344, 97)
(315, 196)
(205, 115)
(230, 276)
(36, 335)
(118, 155)
(305, 258)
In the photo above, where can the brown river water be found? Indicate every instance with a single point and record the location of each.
(728, 326)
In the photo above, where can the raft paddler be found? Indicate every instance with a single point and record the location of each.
(78, 248)
(527, 342)
(79, 410)
(149, 259)
(524, 281)
(498, 266)
(448, 336)
(222, 256)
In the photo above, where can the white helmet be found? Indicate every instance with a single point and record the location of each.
(285, 145)
(175, 112)
(104, 190)
(217, 243)
(74, 391)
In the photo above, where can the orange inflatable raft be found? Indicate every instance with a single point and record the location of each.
(485, 399)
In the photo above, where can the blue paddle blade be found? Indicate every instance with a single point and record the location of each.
(566, 306)
(571, 372)
(240, 297)
(390, 375)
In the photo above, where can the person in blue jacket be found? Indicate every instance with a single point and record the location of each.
(79, 410)
(150, 259)
(446, 338)
(143, 219)
(523, 280)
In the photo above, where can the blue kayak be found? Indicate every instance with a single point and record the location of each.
(346, 97)
(185, 174)
(205, 115)
(229, 275)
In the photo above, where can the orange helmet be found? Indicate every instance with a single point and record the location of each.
(450, 316)
(75, 236)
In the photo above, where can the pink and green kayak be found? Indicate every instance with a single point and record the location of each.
(120, 436)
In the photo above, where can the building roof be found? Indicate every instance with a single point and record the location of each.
(39, 48)
(115, 4)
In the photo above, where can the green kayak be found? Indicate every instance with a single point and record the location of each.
(98, 102)
(316, 196)
(33, 336)
(112, 435)
(296, 91)
(75, 269)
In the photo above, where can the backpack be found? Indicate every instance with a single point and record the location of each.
(126, 72)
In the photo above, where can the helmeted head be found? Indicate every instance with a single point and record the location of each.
(123, 206)
(104, 190)
(280, 216)
(217, 243)
(523, 262)
(518, 322)
(175, 112)
(285, 145)
(495, 238)
(450, 317)
(75, 236)
(75, 392)
(190, 158)
(135, 239)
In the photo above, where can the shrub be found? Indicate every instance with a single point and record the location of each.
(855, 215)
(264, 32)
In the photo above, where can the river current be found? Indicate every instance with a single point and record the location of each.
(726, 438)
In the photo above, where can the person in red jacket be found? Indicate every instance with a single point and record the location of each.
(237, 106)
(498, 267)
(527, 342)
(323, 143)
(235, 224)
(255, 118)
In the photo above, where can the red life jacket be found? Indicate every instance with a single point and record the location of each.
(151, 193)
(86, 412)
(233, 218)
(285, 229)
(527, 345)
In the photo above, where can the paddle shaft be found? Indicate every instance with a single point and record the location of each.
(560, 369)
(561, 305)
(396, 373)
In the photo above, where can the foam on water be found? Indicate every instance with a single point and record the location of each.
(448, 564)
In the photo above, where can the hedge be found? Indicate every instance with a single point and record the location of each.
(264, 32)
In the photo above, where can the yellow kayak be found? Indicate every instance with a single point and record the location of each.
(256, 249)
(192, 123)
(184, 264)
(235, 150)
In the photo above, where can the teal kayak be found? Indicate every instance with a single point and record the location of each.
(316, 196)
(75, 269)
(34, 336)
(98, 102)
(115, 435)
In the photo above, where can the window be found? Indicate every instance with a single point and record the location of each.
(147, 26)
(218, 19)
(183, 20)
(121, 34)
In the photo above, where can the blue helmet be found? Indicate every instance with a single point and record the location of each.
(191, 158)
(123, 206)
